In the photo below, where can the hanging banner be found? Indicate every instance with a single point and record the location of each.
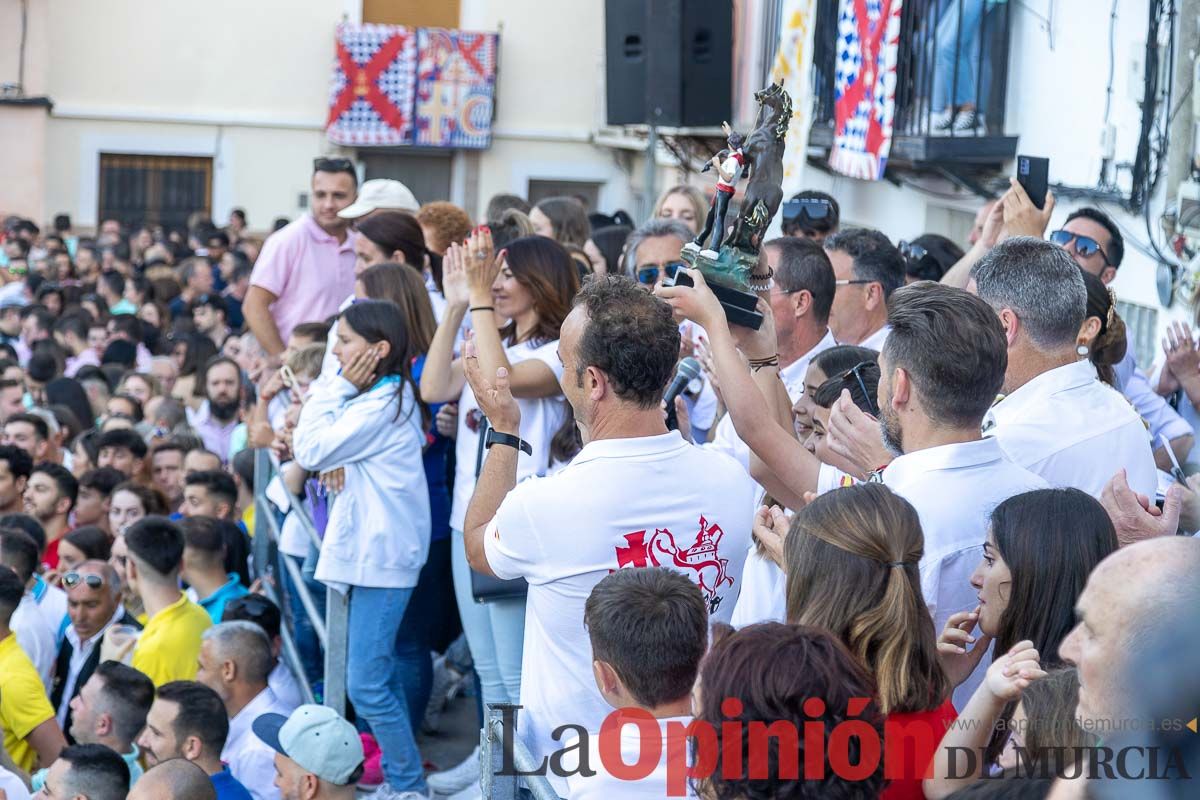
(456, 87)
(793, 63)
(865, 86)
(371, 100)
(394, 85)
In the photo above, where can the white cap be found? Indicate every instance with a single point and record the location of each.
(317, 739)
(381, 193)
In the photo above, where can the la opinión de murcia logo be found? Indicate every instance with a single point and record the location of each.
(851, 750)
(702, 558)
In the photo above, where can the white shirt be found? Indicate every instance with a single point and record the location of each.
(954, 489)
(541, 417)
(283, 683)
(12, 786)
(80, 650)
(1073, 430)
(250, 759)
(603, 786)
(52, 605)
(622, 503)
(378, 530)
(764, 592)
(875, 340)
(35, 637)
(726, 439)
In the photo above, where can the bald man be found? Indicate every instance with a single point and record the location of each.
(176, 779)
(1131, 597)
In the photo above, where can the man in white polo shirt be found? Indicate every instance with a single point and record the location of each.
(940, 370)
(635, 496)
(867, 268)
(1056, 419)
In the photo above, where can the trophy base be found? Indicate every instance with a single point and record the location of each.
(739, 306)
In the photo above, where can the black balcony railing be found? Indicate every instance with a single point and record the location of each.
(953, 59)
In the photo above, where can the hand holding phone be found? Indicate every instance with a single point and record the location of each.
(1034, 176)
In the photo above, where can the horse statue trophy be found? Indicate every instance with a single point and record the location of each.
(728, 270)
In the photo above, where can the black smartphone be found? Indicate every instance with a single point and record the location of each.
(1034, 176)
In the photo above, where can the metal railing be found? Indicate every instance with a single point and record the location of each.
(942, 42)
(497, 784)
(330, 629)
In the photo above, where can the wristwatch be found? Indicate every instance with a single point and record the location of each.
(495, 437)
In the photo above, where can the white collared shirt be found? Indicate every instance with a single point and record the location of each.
(620, 504)
(35, 637)
(249, 758)
(80, 650)
(726, 439)
(954, 489)
(1075, 431)
(875, 340)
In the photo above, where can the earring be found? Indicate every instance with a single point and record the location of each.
(1082, 350)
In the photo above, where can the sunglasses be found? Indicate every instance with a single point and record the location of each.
(73, 579)
(814, 208)
(856, 371)
(333, 165)
(1086, 246)
(648, 273)
(918, 262)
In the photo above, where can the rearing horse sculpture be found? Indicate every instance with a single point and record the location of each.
(764, 151)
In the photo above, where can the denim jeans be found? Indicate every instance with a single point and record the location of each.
(426, 621)
(495, 632)
(309, 647)
(382, 670)
(957, 54)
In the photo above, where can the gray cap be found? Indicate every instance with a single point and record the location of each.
(317, 739)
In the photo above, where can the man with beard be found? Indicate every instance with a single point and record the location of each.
(15, 468)
(940, 370)
(187, 720)
(219, 415)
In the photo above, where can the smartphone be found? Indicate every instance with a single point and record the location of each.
(1034, 176)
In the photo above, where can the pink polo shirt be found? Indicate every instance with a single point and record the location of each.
(307, 270)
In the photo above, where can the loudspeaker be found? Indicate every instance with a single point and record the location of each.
(669, 62)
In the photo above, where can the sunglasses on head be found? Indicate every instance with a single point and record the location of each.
(648, 273)
(813, 208)
(73, 579)
(856, 371)
(918, 263)
(1086, 246)
(333, 165)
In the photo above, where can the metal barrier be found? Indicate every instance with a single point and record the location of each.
(497, 785)
(332, 630)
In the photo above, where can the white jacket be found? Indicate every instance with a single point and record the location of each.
(378, 531)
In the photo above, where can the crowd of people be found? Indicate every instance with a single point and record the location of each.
(933, 490)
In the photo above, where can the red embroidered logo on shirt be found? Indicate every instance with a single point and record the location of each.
(659, 550)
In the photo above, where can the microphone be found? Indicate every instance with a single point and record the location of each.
(687, 371)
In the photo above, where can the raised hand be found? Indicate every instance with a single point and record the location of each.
(1183, 359)
(696, 303)
(493, 395)
(854, 435)
(1011, 674)
(1134, 516)
(1021, 216)
(771, 529)
(957, 661)
(454, 277)
(482, 266)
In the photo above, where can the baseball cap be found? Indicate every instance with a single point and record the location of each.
(317, 739)
(381, 193)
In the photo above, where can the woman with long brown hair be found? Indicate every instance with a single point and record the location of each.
(852, 569)
(517, 299)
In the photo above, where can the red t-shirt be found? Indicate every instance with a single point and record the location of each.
(50, 557)
(911, 762)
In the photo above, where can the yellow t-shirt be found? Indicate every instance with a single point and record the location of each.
(23, 703)
(169, 647)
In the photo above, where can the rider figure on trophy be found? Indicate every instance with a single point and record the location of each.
(730, 164)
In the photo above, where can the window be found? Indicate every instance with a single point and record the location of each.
(586, 191)
(1141, 331)
(162, 190)
(426, 173)
(414, 13)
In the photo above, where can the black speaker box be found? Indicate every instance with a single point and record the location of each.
(669, 62)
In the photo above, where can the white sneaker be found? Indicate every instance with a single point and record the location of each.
(458, 778)
(386, 792)
(469, 793)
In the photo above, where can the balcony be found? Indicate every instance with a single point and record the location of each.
(935, 35)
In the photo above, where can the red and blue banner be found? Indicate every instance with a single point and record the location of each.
(865, 86)
(394, 85)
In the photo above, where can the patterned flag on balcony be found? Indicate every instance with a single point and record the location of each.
(456, 84)
(865, 86)
(374, 76)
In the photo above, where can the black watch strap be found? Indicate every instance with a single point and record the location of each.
(495, 437)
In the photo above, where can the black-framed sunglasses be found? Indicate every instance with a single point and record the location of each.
(322, 164)
(856, 371)
(918, 263)
(1086, 246)
(814, 208)
(73, 579)
(648, 273)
